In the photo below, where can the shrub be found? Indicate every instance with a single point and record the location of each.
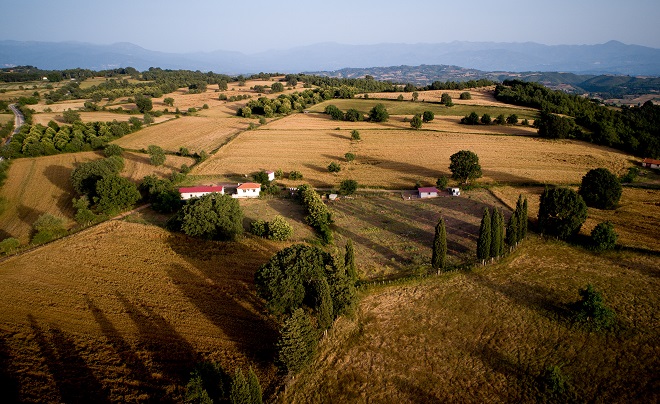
(279, 229)
(295, 175)
(465, 96)
(214, 217)
(113, 150)
(486, 119)
(259, 228)
(334, 112)
(603, 236)
(630, 175)
(349, 156)
(348, 187)
(591, 310)
(471, 119)
(355, 135)
(156, 155)
(416, 122)
(428, 116)
(353, 115)
(561, 213)
(9, 245)
(442, 182)
(512, 119)
(48, 227)
(115, 194)
(379, 113)
(334, 167)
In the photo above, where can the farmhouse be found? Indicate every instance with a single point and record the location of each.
(428, 192)
(196, 192)
(247, 190)
(651, 163)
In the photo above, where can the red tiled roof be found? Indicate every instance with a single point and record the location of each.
(249, 185)
(201, 188)
(427, 189)
(651, 161)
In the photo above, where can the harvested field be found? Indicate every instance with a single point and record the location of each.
(122, 312)
(41, 185)
(412, 108)
(487, 335)
(396, 159)
(194, 133)
(60, 106)
(100, 116)
(6, 118)
(480, 96)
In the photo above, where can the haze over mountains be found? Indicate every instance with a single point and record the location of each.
(610, 58)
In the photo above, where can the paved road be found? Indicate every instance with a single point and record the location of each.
(19, 120)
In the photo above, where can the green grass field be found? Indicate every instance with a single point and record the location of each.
(412, 108)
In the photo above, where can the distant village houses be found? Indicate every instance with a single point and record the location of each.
(651, 163)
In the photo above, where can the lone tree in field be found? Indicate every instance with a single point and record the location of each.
(600, 189)
(485, 235)
(156, 155)
(439, 257)
(143, 103)
(603, 236)
(561, 213)
(348, 187)
(445, 98)
(213, 217)
(355, 135)
(416, 122)
(428, 116)
(592, 311)
(168, 101)
(379, 113)
(334, 167)
(464, 166)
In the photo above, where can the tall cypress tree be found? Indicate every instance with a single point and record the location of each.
(240, 391)
(256, 395)
(519, 218)
(483, 243)
(512, 230)
(297, 343)
(323, 303)
(496, 234)
(349, 262)
(439, 258)
(524, 221)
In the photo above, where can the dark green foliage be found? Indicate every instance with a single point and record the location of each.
(497, 234)
(279, 229)
(9, 245)
(70, 116)
(600, 189)
(349, 262)
(156, 155)
(512, 230)
(523, 220)
(168, 101)
(254, 387)
(561, 213)
(297, 343)
(630, 175)
(322, 302)
(445, 98)
(349, 156)
(348, 187)
(442, 182)
(485, 119)
(295, 175)
(334, 112)
(334, 167)
(485, 235)
(416, 122)
(261, 177)
(277, 87)
(556, 127)
(465, 166)
(113, 150)
(259, 228)
(84, 215)
(355, 135)
(85, 176)
(379, 113)
(603, 236)
(439, 257)
(428, 116)
(500, 120)
(47, 227)
(471, 119)
(195, 391)
(239, 392)
(512, 119)
(213, 217)
(591, 311)
(318, 215)
(115, 194)
(144, 104)
(353, 115)
(465, 96)
(554, 385)
(167, 201)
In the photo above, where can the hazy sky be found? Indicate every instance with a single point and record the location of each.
(257, 25)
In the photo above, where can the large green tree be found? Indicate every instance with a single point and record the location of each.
(485, 236)
(465, 166)
(497, 233)
(115, 194)
(379, 113)
(601, 189)
(297, 343)
(213, 217)
(561, 213)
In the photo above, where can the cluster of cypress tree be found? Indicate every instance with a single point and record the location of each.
(492, 239)
(439, 257)
(308, 288)
(210, 383)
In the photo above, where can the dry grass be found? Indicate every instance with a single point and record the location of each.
(480, 96)
(396, 158)
(485, 336)
(122, 312)
(100, 116)
(42, 185)
(6, 118)
(194, 133)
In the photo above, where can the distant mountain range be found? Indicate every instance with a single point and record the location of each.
(610, 58)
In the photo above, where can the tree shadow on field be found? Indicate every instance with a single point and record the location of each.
(512, 179)
(224, 292)
(8, 383)
(75, 381)
(403, 167)
(621, 260)
(415, 393)
(171, 352)
(316, 168)
(138, 158)
(28, 215)
(340, 136)
(520, 382)
(55, 173)
(146, 385)
(535, 297)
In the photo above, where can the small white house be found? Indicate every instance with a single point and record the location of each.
(271, 175)
(196, 192)
(247, 190)
(651, 163)
(454, 191)
(427, 192)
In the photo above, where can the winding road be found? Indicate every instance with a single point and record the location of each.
(19, 120)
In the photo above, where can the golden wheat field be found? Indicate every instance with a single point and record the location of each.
(396, 159)
(35, 186)
(488, 334)
(481, 96)
(123, 311)
(193, 132)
